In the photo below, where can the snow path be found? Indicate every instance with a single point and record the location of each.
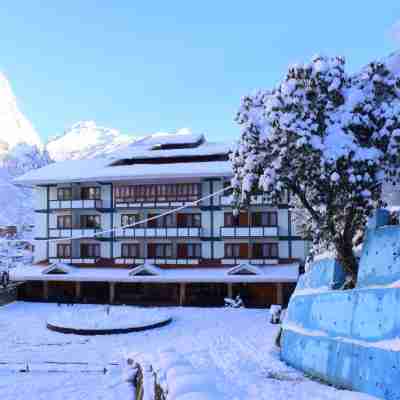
(235, 345)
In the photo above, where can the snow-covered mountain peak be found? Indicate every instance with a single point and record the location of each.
(14, 127)
(85, 139)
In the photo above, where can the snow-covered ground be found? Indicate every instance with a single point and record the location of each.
(235, 343)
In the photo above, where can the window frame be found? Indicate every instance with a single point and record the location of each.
(92, 193)
(61, 194)
(92, 250)
(84, 219)
(160, 250)
(131, 219)
(127, 248)
(189, 250)
(61, 219)
(62, 253)
(265, 250)
(234, 250)
(264, 219)
(158, 192)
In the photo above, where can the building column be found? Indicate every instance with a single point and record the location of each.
(112, 292)
(230, 290)
(45, 290)
(78, 291)
(279, 294)
(182, 294)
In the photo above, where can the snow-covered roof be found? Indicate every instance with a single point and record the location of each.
(58, 268)
(102, 168)
(182, 136)
(145, 270)
(268, 273)
(245, 269)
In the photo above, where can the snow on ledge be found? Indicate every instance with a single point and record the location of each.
(145, 270)
(389, 344)
(245, 269)
(58, 268)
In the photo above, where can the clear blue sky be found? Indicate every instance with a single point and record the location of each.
(145, 66)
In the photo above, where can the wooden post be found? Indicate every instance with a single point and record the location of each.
(230, 290)
(78, 291)
(279, 294)
(45, 290)
(112, 292)
(182, 294)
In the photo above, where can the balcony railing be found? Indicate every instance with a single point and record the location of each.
(75, 204)
(153, 203)
(258, 261)
(257, 199)
(157, 261)
(73, 232)
(164, 232)
(248, 231)
(74, 260)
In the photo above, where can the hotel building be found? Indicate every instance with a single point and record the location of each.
(195, 255)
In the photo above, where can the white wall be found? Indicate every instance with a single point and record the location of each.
(40, 225)
(299, 249)
(283, 248)
(40, 198)
(40, 253)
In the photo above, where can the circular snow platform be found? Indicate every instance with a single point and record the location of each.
(108, 321)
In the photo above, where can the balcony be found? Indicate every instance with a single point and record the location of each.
(73, 232)
(164, 232)
(248, 231)
(75, 204)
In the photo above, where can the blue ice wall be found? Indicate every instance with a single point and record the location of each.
(380, 258)
(351, 338)
(326, 273)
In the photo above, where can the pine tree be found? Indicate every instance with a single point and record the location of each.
(330, 139)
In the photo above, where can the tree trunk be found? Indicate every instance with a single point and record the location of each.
(347, 258)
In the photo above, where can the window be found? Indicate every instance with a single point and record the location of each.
(90, 221)
(265, 250)
(64, 221)
(189, 250)
(240, 220)
(166, 221)
(63, 250)
(189, 220)
(130, 250)
(91, 193)
(159, 250)
(64, 194)
(90, 250)
(129, 219)
(268, 218)
(161, 192)
(236, 250)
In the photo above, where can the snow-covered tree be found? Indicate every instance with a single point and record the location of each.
(328, 138)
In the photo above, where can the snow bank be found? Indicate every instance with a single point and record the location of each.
(173, 377)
